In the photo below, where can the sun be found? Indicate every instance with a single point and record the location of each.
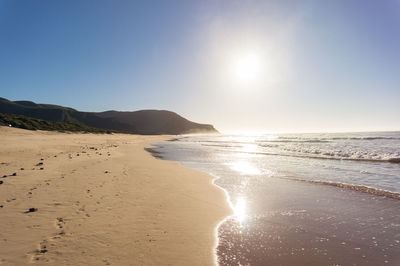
(247, 68)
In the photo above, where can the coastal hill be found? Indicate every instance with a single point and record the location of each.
(147, 122)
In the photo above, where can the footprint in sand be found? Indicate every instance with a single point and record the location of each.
(60, 222)
(40, 251)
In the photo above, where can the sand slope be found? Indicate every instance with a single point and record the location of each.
(102, 200)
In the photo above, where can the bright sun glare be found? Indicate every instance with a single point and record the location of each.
(247, 68)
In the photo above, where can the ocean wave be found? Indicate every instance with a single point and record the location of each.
(222, 142)
(294, 141)
(337, 152)
(223, 145)
(360, 188)
(394, 160)
(339, 138)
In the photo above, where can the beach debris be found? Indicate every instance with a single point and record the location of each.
(4, 176)
(14, 174)
(41, 159)
(41, 168)
(1, 182)
(31, 210)
(106, 172)
(22, 169)
(39, 164)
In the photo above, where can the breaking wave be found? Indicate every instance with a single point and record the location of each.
(360, 188)
(333, 157)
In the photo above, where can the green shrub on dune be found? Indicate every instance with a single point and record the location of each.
(29, 123)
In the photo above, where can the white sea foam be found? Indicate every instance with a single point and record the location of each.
(358, 159)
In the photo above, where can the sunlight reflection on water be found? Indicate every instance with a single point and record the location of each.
(244, 167)
(239, 209)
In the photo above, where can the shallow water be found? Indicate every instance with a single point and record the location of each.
(285, 214)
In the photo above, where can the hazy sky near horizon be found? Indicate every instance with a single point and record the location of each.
(329, 65)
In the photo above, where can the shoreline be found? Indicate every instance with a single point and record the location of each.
(103, 200)
(152, 150)
(284, 221)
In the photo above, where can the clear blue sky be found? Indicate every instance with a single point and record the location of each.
(326, 65)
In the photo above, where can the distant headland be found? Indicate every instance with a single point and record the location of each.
(30, 115)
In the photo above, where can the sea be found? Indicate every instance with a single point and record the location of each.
(301, 199)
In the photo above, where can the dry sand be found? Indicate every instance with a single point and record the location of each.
(102, 200)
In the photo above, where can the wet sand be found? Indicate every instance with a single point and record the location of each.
(300, 223)
(85, 199)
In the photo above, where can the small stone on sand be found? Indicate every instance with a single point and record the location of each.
(31, 210)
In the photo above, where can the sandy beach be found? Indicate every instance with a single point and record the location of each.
(101, 199)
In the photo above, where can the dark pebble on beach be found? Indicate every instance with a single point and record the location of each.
(106, 172)
(39, 164)
(31, 210)
(4, 176)
(1, 182)
(41, 159)
(14, 174)
(41, 168)
(22, 169)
